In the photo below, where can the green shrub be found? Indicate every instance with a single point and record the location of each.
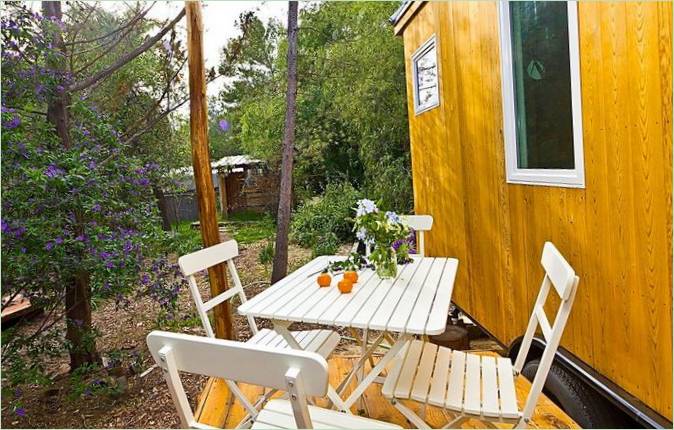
(324, 222)
(326, 245)
(266, 255)
(184, 239)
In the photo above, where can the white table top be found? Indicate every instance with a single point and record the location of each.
(415, 302)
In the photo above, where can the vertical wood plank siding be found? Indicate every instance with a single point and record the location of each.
(616, 231)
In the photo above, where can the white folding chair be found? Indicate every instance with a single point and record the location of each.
(420, 224)
(299, 373)
(483, 387)
(322, 342)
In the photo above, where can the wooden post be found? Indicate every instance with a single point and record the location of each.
(201, 161)
(222, 180)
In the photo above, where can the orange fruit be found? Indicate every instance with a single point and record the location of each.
(345, 286)
(324, 280)
(351, 276)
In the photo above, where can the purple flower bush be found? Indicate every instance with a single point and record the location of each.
(68, 211)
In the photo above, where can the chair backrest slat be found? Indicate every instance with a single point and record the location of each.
(560, 276)
(241, 362)
(559, 271)
(208, 257)
(420, 224)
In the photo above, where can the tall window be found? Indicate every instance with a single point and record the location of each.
(425, 73)
(541, 93)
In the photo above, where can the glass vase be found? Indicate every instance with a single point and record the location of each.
(388, 268)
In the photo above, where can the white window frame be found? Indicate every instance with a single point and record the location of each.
(423, 49)
(574, 178)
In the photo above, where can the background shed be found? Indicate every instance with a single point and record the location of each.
(241, 183)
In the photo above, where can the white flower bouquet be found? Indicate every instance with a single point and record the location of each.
(380, 230)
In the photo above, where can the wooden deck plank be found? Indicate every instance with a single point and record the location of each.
(212, 405)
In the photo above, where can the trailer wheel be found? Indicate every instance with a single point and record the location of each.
(581, 403)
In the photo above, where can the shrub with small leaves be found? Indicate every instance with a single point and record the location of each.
(324, 223)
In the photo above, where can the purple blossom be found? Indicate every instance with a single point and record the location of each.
(224, 125)
(92, 165)
(13, 123)
(49, 246)
(145, 279)
(19, 231)
(20, 412)
(128, 246)
(53, 171)
(58, 240)
(96, 207)
(4, 226)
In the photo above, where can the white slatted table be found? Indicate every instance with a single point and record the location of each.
(416, 302)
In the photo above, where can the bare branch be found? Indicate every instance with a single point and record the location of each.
(131, 22)
(155, 120)
(159, 117)
(82, 23)
(106, 51)
(77, 86)
(161, 99)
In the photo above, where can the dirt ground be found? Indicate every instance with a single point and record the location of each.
(145, 403)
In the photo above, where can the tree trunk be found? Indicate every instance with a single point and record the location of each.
(280, 268)
(163, 208)
(203, 178)
(78, 322)
(78, 292)
(57, 108)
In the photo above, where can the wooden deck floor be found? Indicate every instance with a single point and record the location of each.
(213, 408)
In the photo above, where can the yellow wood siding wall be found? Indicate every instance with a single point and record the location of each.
(616, 232)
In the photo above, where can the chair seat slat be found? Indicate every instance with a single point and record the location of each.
(456, 379)
(423, 378)
(436, 397)
(490, 405)
(506, 388)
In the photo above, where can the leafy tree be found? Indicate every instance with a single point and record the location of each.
(77, 211)
(351, 103)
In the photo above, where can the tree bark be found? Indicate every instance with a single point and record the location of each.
(280, 268)
(203, 178)
(78, 322)
(163, 208)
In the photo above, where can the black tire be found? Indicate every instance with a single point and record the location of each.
(580, 402)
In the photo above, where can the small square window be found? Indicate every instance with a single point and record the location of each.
(425, 71)
(542, 119)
